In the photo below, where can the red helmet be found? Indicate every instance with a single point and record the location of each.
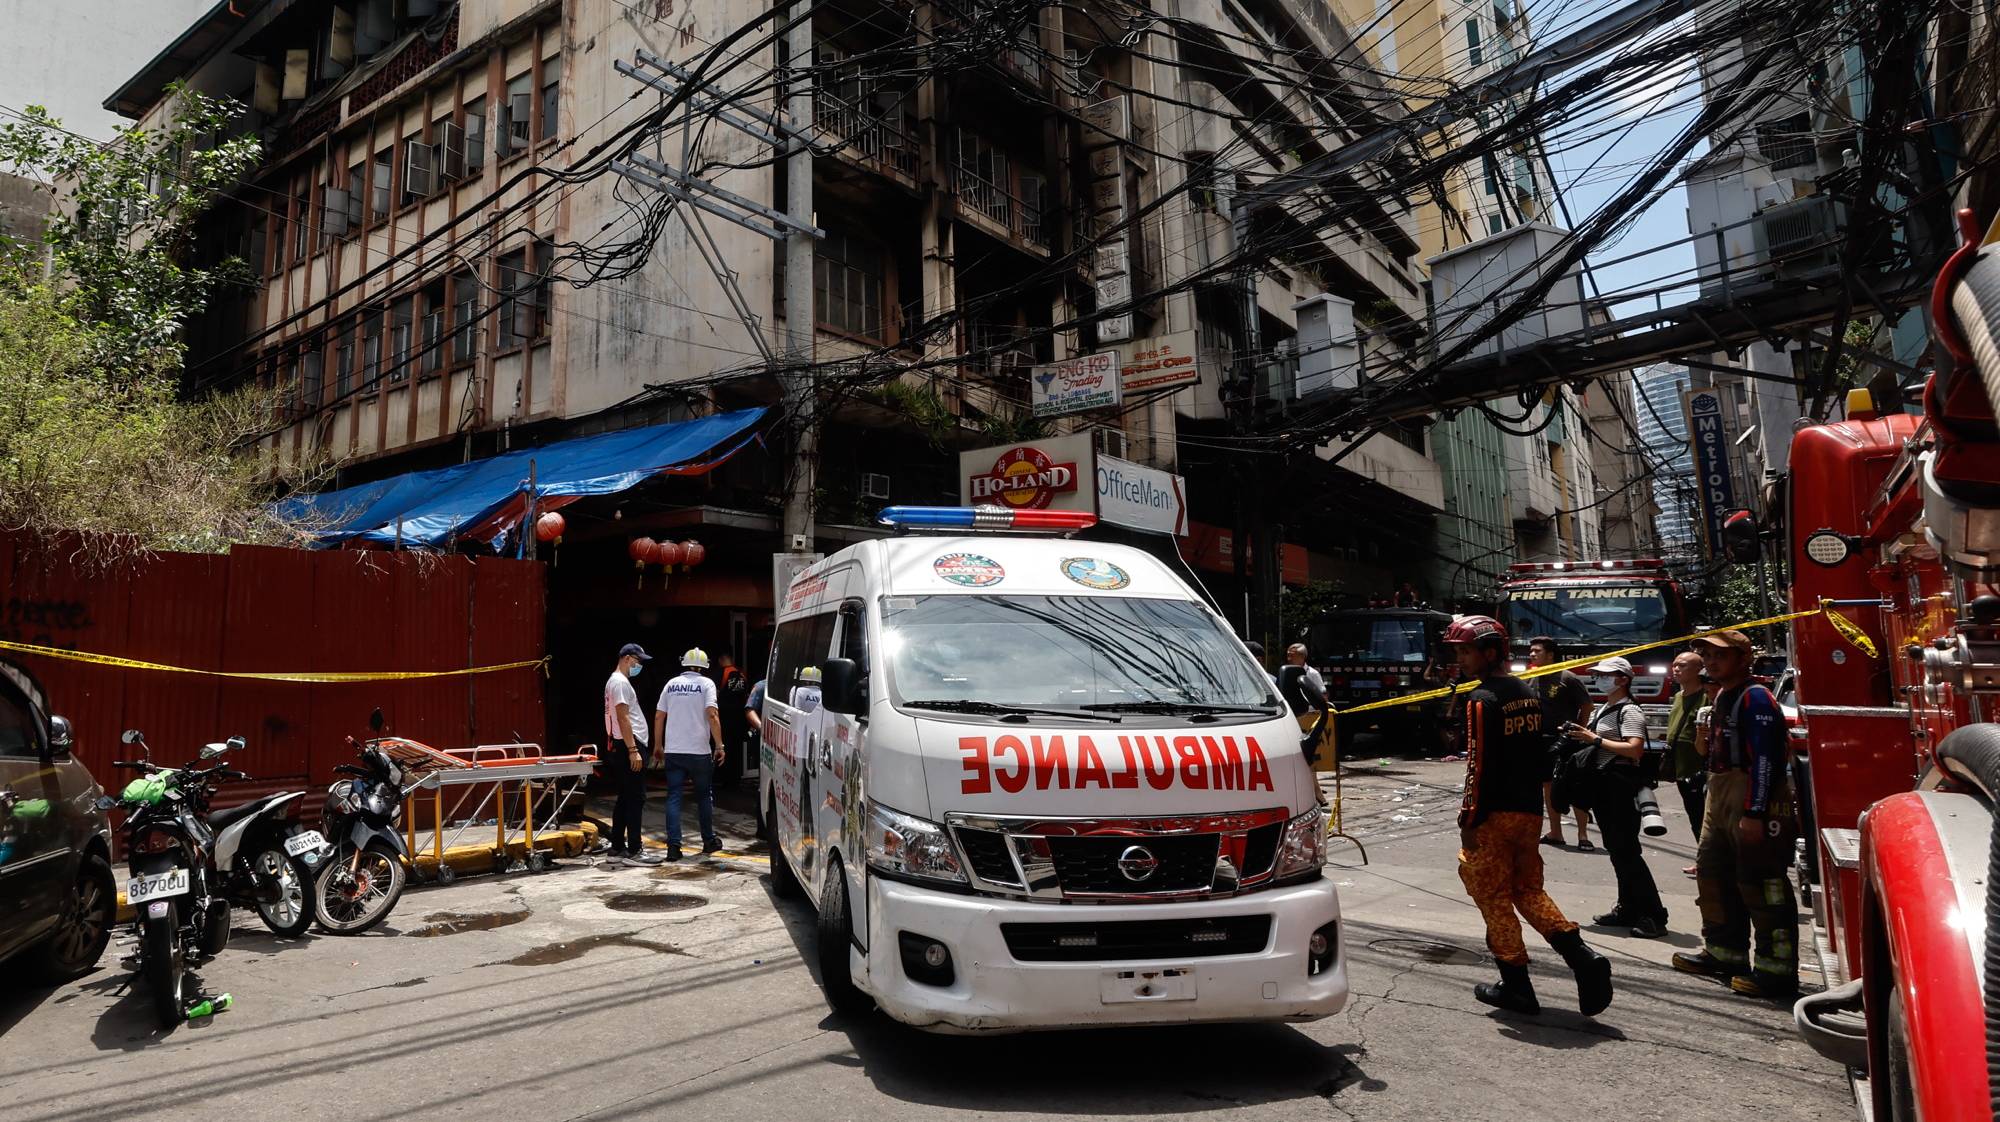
(1476, 629)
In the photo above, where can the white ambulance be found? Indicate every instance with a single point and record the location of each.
(1035, 782)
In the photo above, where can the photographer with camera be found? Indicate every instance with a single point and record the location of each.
(1616, 741)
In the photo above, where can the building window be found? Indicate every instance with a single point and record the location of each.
(357, 191)
(435, 314)
(385, 166)
(371, 349)
(848, 275)
(512, 265)
(312, 378)
(343, 363)
(548, 113)
(1492, 174)
(511, 137)
(419, 168)
(475, 136)
(301, 224)
(402, 334)
(1495, 224)
(1473, 54)
(524, 294)
(464, 316)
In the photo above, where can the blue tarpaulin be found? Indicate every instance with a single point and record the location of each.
(484, 498)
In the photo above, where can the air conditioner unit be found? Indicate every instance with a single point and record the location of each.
(1803, 237)
(1109, 442)
(874, 485)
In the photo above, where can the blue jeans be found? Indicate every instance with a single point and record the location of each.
(681, 767)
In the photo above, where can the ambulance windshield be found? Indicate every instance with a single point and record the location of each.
(1066, 652)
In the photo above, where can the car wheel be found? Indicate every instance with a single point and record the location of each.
(90, 908)
(836, 974)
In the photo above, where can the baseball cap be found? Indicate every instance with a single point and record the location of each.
(635, 650)
(1613, 666)
(1734, 639)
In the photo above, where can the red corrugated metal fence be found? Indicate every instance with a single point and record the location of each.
(264, 609)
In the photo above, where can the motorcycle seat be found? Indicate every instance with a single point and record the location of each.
(222, 818)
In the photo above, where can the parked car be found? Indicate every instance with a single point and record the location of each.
(58, 900)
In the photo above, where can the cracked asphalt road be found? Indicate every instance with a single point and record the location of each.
(599, 994)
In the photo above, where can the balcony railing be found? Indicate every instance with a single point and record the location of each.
(1022, 218)
(868, 137)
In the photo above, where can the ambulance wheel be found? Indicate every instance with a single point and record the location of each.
(784, 882)
(836, 976)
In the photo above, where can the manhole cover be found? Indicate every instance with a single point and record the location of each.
(1424, 950)
(653, 902)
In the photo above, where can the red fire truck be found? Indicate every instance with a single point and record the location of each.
(1895, 519)
(1593, 607)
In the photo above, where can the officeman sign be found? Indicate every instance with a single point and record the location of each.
(1708, 436)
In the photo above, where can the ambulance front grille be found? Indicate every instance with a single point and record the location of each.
(1120, 859)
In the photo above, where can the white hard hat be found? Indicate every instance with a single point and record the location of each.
(809, 674)
(695, 657)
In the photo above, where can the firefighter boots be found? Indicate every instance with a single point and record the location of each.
(1592, 970)
(1514, 991)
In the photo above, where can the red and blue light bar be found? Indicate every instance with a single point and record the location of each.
(984, 518)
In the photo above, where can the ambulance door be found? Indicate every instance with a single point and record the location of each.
(791, 733)
(837, 793)
(809, 735)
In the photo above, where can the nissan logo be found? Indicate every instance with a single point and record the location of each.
(1137, 863)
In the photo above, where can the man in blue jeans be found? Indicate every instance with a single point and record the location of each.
(688, 728)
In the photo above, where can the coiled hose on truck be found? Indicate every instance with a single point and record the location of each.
(1971, 755)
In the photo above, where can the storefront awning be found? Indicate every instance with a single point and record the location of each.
(483, 499)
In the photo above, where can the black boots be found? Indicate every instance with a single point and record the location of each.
(1592, 970)
(1515, 992)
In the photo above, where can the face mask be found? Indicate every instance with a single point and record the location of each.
(1607, 682)
(632, 671)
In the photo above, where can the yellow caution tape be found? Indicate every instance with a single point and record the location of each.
(329, 677)
(1846, 627)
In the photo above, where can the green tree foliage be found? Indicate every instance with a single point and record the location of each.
(123, 227)
(93, 433)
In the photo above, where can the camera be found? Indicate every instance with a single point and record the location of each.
(1651, 823)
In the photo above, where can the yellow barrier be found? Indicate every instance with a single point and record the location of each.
(329, 677)
(1847, 628)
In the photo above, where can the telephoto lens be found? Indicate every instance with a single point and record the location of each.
(1650, 822)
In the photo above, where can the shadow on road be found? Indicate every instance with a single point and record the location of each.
(1171, 1069)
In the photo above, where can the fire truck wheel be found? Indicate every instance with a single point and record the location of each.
(836, 977)
(1902, 1092)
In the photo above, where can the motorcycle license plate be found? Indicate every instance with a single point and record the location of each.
(304, 842)
(173, 882)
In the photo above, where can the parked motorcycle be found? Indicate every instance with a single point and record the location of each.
(182, 916)
(359, 883)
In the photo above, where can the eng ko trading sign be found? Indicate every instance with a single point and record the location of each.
(1042, 475)
(1075, 384)
(1708, 436)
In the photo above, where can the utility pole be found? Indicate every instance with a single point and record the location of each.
(801, 400)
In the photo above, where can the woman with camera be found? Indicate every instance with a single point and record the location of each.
(1614, 772)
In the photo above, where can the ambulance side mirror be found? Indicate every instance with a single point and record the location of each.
(843, 688)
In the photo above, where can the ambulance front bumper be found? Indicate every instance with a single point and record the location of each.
(1002, 977)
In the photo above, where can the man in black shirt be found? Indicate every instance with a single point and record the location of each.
(1506, 752)
(1564, 699)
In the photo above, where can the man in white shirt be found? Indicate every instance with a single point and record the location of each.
(625, 754)
(690, 734)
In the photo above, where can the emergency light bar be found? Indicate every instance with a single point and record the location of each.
(1644, 563)
(984, 518)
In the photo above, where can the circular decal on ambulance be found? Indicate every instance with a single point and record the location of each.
(1092, 573)
(969, 569)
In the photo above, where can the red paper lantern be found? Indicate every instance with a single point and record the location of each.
(669, 553)
(549, 527)
(694, 552)
(641, 551)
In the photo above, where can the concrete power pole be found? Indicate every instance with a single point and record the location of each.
(801, 402)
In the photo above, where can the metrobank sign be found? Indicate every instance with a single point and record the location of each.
(1708, 437)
